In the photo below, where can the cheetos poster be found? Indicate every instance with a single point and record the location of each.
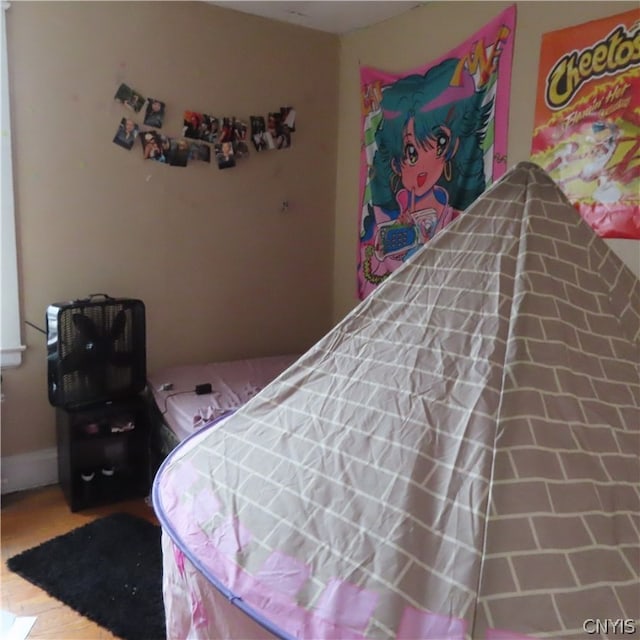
(587, 120)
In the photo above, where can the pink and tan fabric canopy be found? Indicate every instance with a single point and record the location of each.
(458, 458)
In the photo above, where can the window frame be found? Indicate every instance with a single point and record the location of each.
(11, 346)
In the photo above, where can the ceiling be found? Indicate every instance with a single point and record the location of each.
(334, 16)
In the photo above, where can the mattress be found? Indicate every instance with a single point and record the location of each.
(232, 382)
(457, 459)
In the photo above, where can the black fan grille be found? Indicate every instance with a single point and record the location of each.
(98, 353)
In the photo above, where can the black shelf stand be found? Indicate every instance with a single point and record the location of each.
(103, 452)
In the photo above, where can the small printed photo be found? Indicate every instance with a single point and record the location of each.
(123, 93)
(178, 152)
(129, 98)
(258, 130)
(240, 130)
(273, 122)
(192, 120)
(199, 151)
(126, 134)
(154, 146)
(226, 132)
(224, 155)
(288, 117)
(154, 113)
(241, 148)
(278, 130)
(209, 128)
(269, 140)
(283, 140)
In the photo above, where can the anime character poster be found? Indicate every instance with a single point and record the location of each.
(587, 120)
(433, 140)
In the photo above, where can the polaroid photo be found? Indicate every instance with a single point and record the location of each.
(126, 134)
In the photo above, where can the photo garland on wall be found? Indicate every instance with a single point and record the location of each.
(587, 120)
(433, 139)
(227, 137)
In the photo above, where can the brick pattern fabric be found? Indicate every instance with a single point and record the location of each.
(458, 458)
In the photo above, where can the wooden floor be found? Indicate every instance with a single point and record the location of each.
(27, 519)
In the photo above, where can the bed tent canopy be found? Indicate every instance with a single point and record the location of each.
(457, 458)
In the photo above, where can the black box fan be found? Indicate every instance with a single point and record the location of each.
(96, 350)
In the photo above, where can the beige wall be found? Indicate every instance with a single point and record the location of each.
(222, 271)
(413, 39)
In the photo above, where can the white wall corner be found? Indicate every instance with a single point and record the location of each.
(29, 470)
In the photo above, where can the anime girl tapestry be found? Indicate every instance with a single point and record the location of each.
(433, 139)
(587, 122)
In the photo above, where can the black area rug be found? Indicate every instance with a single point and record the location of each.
(109, 570)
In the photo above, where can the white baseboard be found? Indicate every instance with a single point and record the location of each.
(29, 470)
